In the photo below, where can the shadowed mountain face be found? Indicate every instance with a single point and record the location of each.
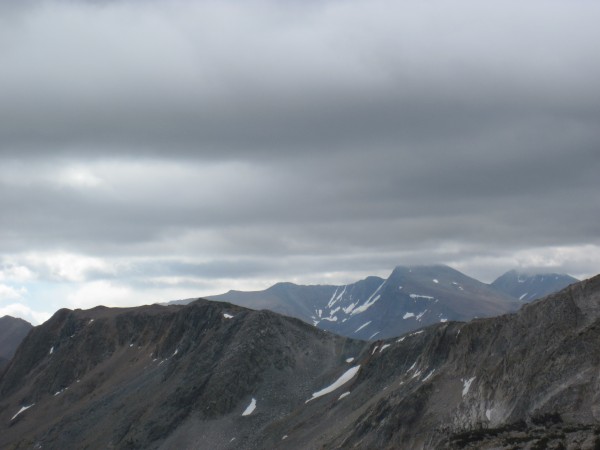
(216, 376)
(528, 287)
(12, 332)
(174, 376)
(374, 308)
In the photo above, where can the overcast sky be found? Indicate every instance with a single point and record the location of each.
(154, 150)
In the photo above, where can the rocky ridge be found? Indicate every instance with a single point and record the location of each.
(191, 377)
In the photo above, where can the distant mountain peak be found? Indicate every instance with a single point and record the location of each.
(528, 284)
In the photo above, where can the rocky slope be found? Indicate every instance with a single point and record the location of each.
(527, 286)
(183, 377)
(141, 377)
(12, 332)
(374, 308)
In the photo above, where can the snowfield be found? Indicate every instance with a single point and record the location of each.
(346, 376)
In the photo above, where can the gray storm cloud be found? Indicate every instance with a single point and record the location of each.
(281, 139)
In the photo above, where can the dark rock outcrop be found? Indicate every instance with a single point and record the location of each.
(12, 331)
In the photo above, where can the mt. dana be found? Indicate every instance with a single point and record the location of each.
(375, 308)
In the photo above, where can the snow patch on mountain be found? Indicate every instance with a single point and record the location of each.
(24, 408)
(345, 378)
(417, 296)
(345, 394)
(370, 301)
(250, 408)
(467, 386)
(362, 326)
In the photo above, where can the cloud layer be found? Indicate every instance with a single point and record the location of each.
(152, 149)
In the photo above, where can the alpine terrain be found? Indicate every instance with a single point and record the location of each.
(211, 375)
(374, 308)
(527, 287)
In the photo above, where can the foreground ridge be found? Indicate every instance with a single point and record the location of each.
(214, 375)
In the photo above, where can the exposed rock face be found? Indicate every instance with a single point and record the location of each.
(411, 298)
(12, 332)
(191, 377)
(492, 373)
(139, 377)
(527, 287)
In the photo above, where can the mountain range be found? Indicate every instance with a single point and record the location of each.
(409, 299)
(219, 376)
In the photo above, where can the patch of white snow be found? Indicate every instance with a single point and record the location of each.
(24, 408)
(345, 378)
(362, 326)
(366, 305)
(227, 316)
(417, 296)
(435, 281)
(408, 315)
(250, 408)
(332, 299)
(348, 309)
(428, 375)
(467, 386)
(349, 360)
(345, 394)
(383, 347)
(523, 296)
(51, 350)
